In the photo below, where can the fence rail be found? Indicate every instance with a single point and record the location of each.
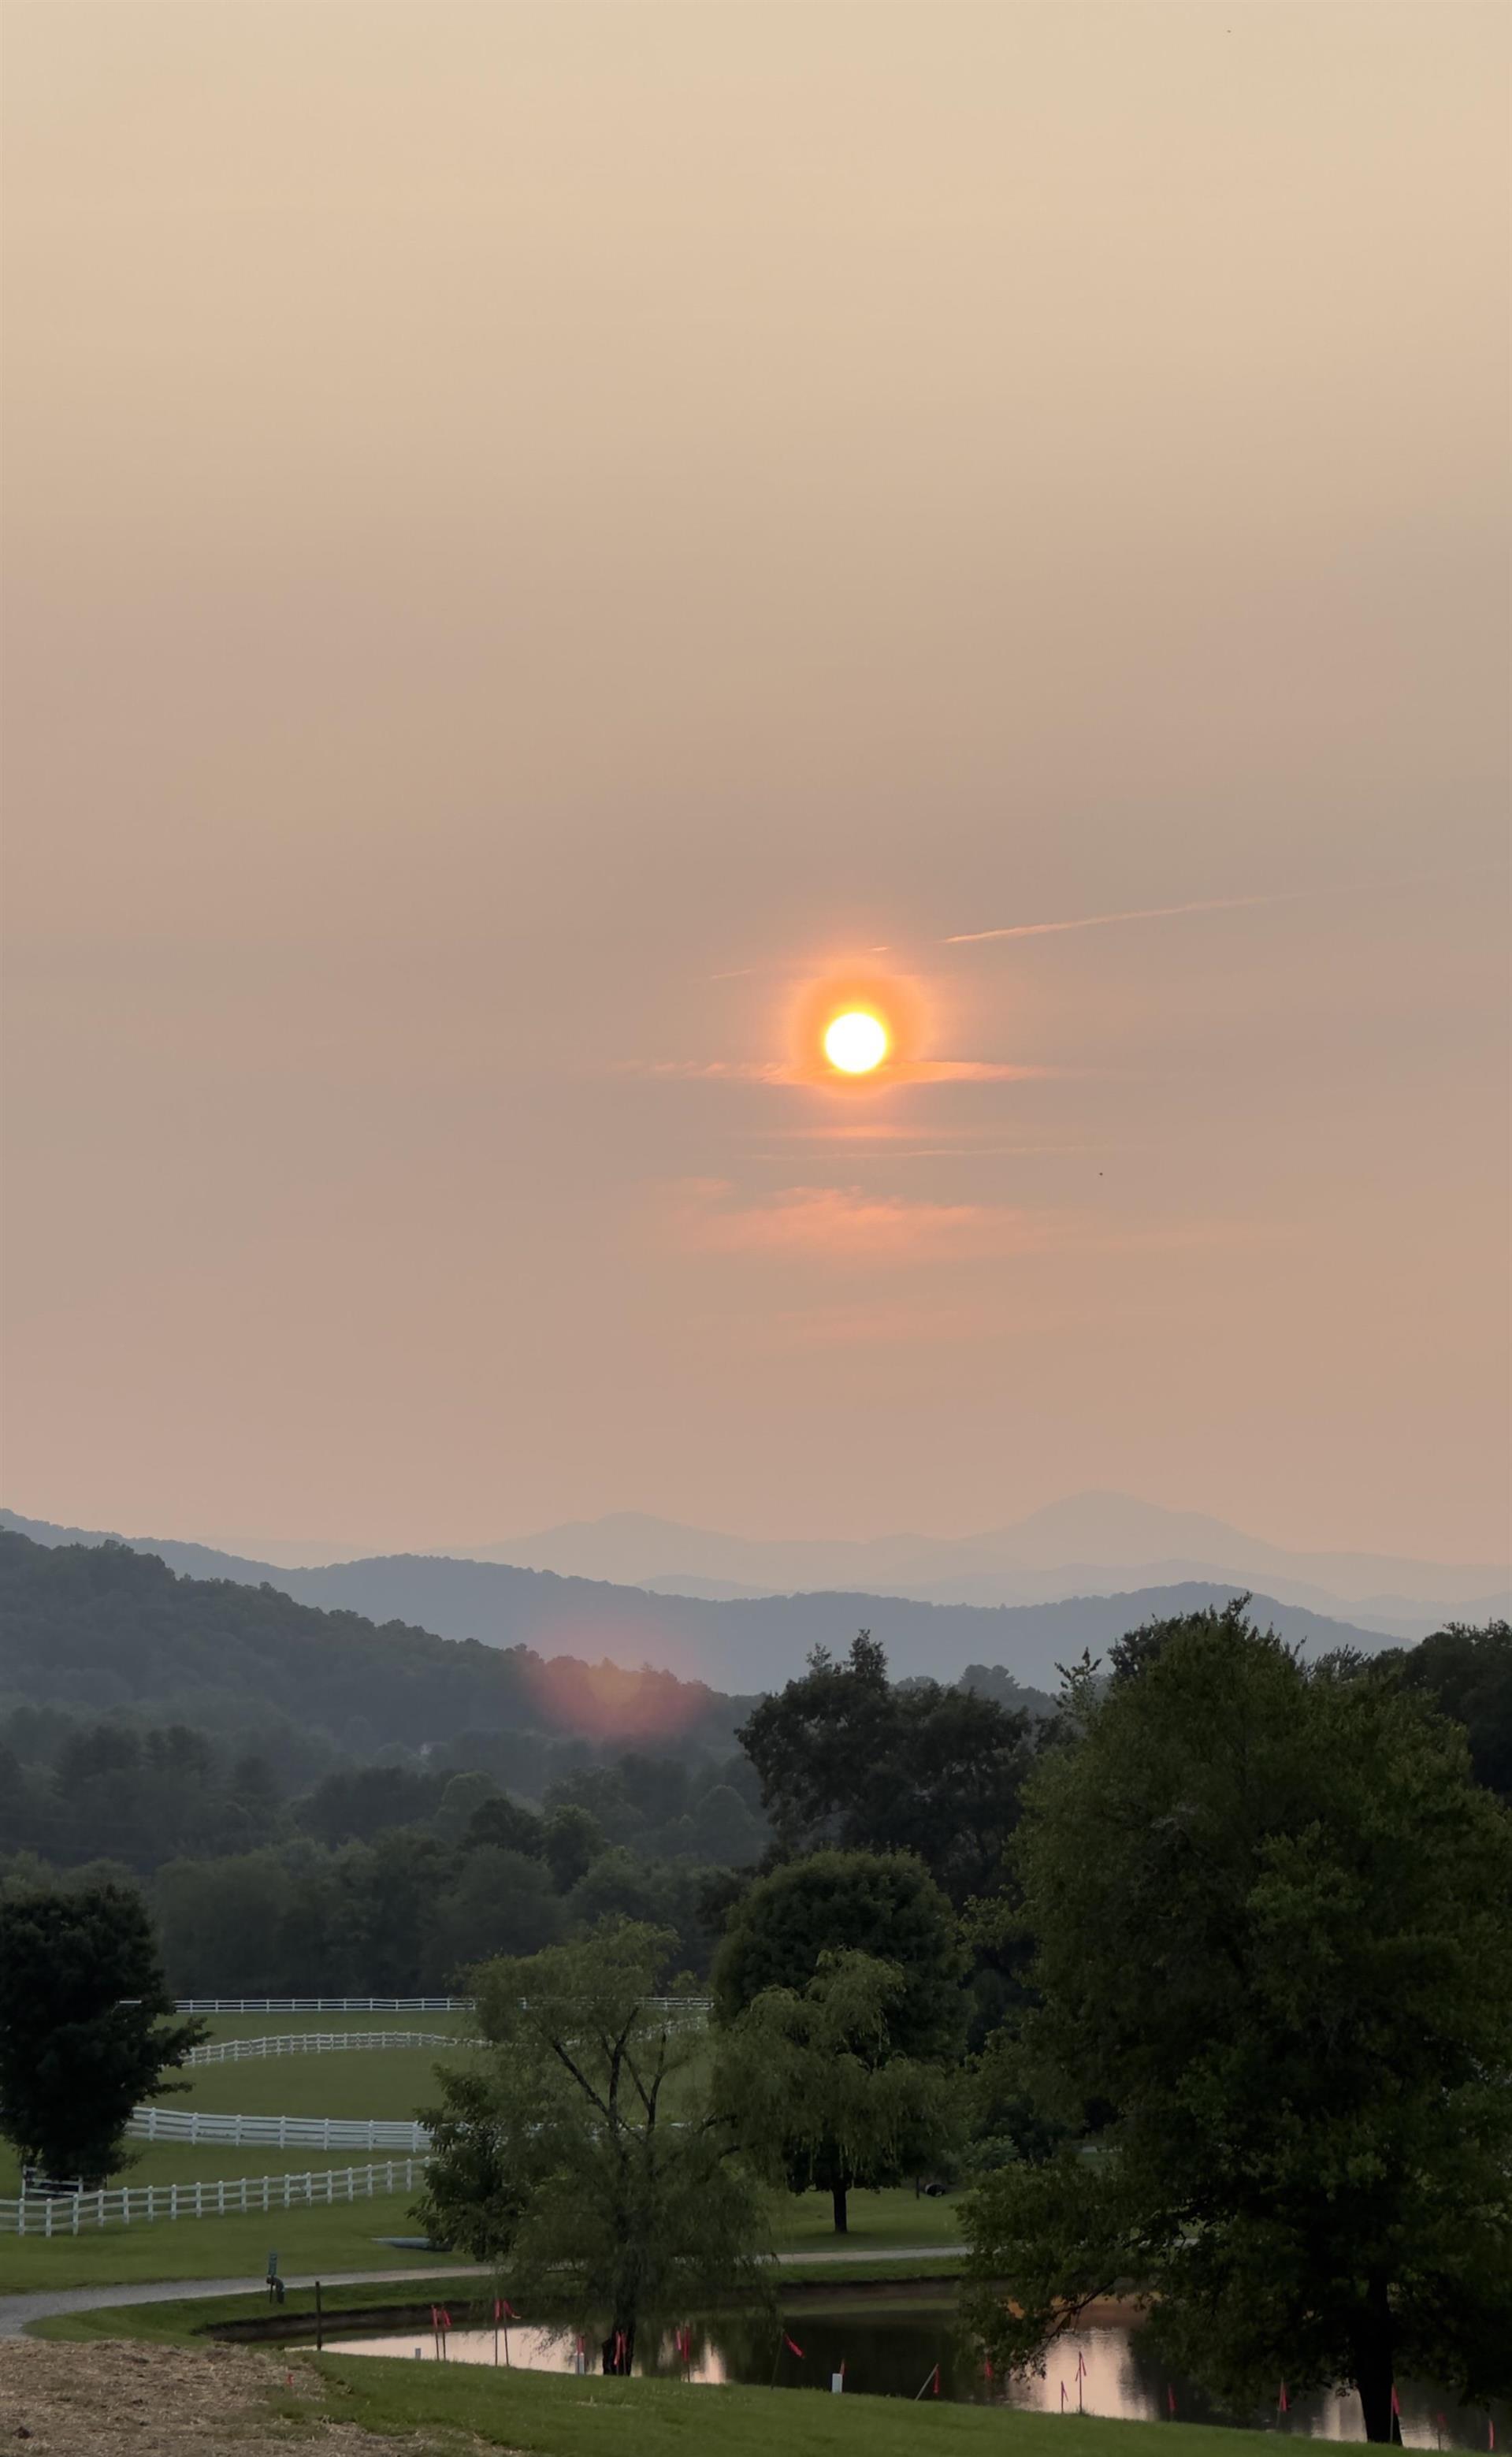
(302, 2043)
(324, 2004)
(150, 2205)
(279, 2132)
(673, 2005)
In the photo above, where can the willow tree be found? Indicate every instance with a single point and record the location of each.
(1271, 1915)
(578, 2152)
(820, 2091)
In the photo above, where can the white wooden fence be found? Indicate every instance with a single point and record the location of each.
(277, 2132)
(302, 2043)
(324, 2004)
(149, 2204)
(384, 2004)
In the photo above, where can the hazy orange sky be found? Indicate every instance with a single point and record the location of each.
(535, 533)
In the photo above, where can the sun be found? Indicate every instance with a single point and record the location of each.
(856, 1041)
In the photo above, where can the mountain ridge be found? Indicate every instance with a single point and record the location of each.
(1109, 1534)
(736, 1644)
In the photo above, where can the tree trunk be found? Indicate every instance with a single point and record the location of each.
(618, 2350)
(837, 2193)
(1373, 2364)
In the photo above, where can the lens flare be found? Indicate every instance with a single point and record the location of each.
(856, 1041)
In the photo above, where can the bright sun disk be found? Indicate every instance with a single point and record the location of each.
(855, 1043)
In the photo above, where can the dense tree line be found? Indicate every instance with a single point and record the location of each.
(389, 1878)
(72, 1791)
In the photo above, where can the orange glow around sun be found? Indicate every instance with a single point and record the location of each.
(855, 1029)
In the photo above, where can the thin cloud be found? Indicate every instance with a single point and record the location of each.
(693, 1069)
(846, 1223)
(1105, 920)
(972, 1070)
(912, 1070)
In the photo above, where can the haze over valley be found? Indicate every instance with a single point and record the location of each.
(937, 1607)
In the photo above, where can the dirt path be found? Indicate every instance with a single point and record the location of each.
(113, 2400)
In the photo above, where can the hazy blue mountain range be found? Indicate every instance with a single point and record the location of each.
(737, 1643)
(1090, 1544)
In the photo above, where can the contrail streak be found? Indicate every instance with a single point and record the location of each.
(1225, 904)
(1101, 921)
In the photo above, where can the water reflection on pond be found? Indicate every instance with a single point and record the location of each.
(903, 2352)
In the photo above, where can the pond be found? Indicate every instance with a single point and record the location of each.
(911, 2348)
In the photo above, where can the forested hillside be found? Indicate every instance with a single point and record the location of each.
(98, 1627)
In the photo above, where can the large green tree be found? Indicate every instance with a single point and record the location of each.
(820, 2095)
(1272, 1925)
(880, 1903)
(581, 2157)
(83, 2037)
(883, 1908)
(847, 1758)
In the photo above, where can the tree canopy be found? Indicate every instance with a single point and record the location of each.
(848, 1758)
(1469, 1674)
(83, 2037)
(876, 1903)
(1271, 1917)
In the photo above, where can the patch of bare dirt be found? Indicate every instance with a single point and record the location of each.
(107, 2399)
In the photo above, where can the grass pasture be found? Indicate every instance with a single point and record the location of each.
(552, 2416)
(309, 2241)
(362, 2082)
(347, 2082)
(348, 2236)
(379, 2082)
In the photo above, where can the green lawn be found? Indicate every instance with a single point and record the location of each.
(358, 2082)
(561, 2417)
(346, 2237)
(308, 2240)
(382, 2083)
(805, 2222)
